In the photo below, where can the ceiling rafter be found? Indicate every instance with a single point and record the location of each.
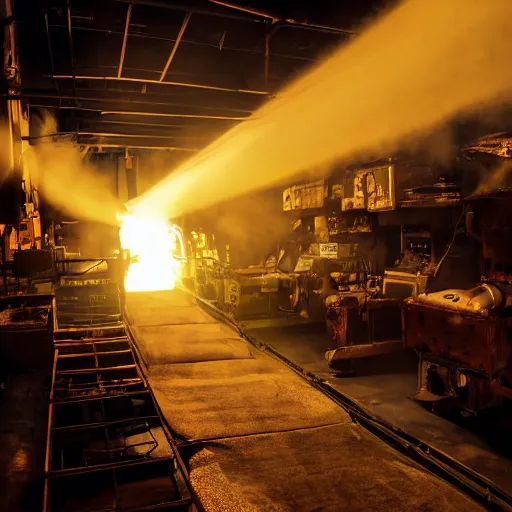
(158, 82)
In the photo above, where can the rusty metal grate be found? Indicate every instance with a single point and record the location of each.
(107, 448)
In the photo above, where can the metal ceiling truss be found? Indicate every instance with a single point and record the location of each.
(217, 8)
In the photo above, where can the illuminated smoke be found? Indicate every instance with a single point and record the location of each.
(496, 179)
(60, 172)
(419, 66)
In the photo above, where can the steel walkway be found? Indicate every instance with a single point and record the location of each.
(107, 448)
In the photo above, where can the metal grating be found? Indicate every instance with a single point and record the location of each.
(107, 448)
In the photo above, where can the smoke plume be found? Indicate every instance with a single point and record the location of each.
(417, 67)
(496, 179)
(59, 170)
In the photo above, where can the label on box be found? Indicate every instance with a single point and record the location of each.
(329, 251)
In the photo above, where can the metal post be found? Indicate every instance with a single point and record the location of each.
(125, 39)
(175, 46)
(50, 51)
(72, 55)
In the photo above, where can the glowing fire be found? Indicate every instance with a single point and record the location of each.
(153, 245)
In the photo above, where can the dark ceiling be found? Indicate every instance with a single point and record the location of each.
(158, 73)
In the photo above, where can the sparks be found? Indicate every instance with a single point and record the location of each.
(153, 245)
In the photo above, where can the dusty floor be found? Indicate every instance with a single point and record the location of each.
(383, 386)
(23, 424)
(258, 437)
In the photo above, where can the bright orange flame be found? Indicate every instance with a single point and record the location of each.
(152, 243)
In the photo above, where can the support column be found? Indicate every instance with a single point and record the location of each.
(127, 177)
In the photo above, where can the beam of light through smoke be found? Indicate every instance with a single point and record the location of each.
(419, 66)
(69, 184)
(65, 180)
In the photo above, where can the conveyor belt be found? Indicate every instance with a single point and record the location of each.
(107, 448)
(257, 436)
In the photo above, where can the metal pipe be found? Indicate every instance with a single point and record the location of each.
(317, 27)
(152, 125)
(72, 55)
(117, 100)
(139, 135)
(125, 39)
(50, 51)
(157, 148)
(248, 10)
(286, 21)
(184, 41)
(157, 114)
(144, 81)
(148, 114)
(197, 10)
(175, 46)
(106, 134)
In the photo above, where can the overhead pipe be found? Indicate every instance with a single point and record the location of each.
(157, 148)
(272, 18)
(184, 116)
(173, 6)
(175, 46)
(249, 10)
(185, 41)
(117, 100)
(125, 40)
(138, 135)
(150, 125)
(144, 114)
(115, 135)
(158, 82)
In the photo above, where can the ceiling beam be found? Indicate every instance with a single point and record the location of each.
(274, 18)
(111, 135)
(138, 123)
(152, 148)
(158, 82)
(70, 42)
(184, 41)
(235, 11)
(175, 46)
(125, 39)
(183, 116)
(206, 10)
(91, 99)
(143, 114)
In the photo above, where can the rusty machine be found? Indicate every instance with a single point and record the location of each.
(342, 248)
(463, 334)
(20, 222)
(390, 255)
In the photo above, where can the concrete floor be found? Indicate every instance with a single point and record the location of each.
(254, 435)
(383, 386)
(23, 424)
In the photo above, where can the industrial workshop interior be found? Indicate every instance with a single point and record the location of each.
(256, 256)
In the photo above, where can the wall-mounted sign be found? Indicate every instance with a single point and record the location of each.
(329, 251)
(303, 197)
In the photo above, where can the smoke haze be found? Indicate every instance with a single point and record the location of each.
(63, 177)
(416, 68)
